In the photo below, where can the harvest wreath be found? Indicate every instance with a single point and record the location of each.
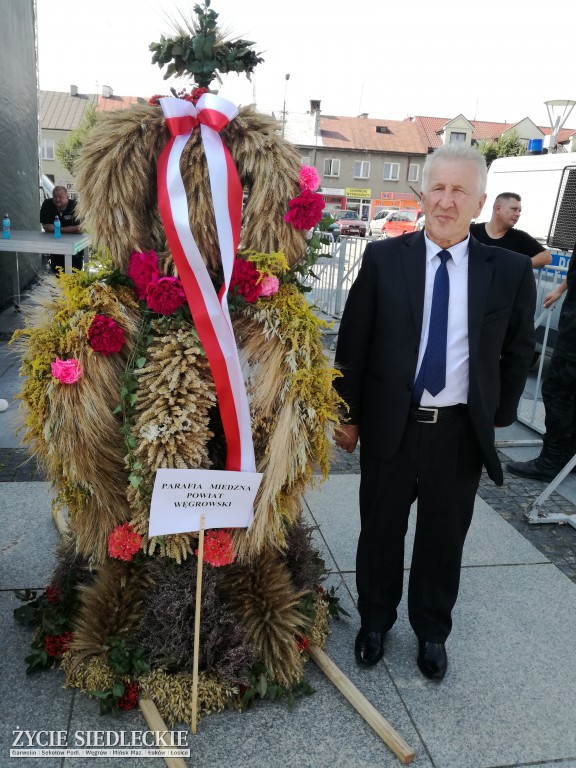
(191, 204)
(117, 385)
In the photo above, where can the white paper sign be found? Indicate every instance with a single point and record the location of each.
(181, 496)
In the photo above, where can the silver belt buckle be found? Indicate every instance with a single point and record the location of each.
(433, 412)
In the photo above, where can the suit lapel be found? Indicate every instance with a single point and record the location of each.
(480, 269)
(414, 266)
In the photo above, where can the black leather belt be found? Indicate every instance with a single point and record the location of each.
(432, 415)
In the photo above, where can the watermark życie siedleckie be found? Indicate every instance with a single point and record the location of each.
(137, 743)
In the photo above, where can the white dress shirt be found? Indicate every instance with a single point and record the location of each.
(456, 389)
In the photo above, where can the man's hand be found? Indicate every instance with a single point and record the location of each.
(346, 436)
(48, 227)
(554, 295)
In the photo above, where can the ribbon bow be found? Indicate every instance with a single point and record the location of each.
(183, 116)
(209, 310)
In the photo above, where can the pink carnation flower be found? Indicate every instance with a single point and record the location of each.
(165, 295)
(305, 210)
(124, 542)
(269, 286)
(309, 178)
(143, 270)
(66, 371)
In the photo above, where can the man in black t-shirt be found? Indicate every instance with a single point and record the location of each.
(500, 230)
(64, 209)
(558, 390)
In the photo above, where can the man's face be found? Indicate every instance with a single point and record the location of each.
(60, 197)
(452, 201)
(508, 212)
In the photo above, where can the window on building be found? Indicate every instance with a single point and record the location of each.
(391, 171)
(456, 136)
(362, 169)
(331, 167)
(305, 160)
(47, 149)
(413, 172)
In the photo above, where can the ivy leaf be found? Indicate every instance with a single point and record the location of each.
(118, 690)
(262, 685)
(140, 362)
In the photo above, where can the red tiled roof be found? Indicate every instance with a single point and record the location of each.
(430, 126)
(359, 133)
(112, 103)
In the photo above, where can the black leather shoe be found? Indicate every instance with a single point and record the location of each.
(532, 470)
(432, 659)
(369, 647)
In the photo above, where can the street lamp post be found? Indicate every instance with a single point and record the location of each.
(284, 108)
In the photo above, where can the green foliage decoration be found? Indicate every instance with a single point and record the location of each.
(68, 150)
(507, 145)
(200, 50)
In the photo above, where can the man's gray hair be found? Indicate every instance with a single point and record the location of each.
(454, 153)
(59, 186)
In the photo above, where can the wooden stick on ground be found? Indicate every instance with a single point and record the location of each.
(382, 727)
(156, 723)
(197, 625)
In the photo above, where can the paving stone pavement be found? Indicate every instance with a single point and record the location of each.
(557, 541)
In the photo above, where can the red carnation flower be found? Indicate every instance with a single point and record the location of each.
(53, 594)
(142, 270)
(305, 210)
(124, 542)
(129, 699)
(165, 295)
(302, 643)
(105, 335)
(245, 279)
(55, 645)
(218, 548)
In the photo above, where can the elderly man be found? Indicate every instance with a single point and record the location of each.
(434, 346)
(501, 230)
(64, 209)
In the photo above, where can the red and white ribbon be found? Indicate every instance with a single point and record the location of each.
(209, 309)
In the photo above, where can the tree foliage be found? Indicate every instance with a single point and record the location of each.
(507, 145)
(200, 50)
(68, 150)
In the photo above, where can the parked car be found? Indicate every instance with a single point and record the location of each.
(349, 223)
(401, 222)
(421, 223)
(377, 223)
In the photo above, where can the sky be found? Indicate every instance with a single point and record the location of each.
(495, 60)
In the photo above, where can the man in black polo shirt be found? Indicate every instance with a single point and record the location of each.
(500, 230)
(63, 208)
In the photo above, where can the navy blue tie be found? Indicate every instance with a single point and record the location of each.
(432, 373)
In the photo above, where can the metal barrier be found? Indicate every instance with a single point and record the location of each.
(531, 408)
(335, 271)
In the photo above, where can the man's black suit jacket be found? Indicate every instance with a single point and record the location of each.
(379, 338)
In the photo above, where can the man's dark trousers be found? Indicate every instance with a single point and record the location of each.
(440, 463)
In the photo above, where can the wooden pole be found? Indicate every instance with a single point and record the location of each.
(156, 723)
(197, 625)
(382, 727)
